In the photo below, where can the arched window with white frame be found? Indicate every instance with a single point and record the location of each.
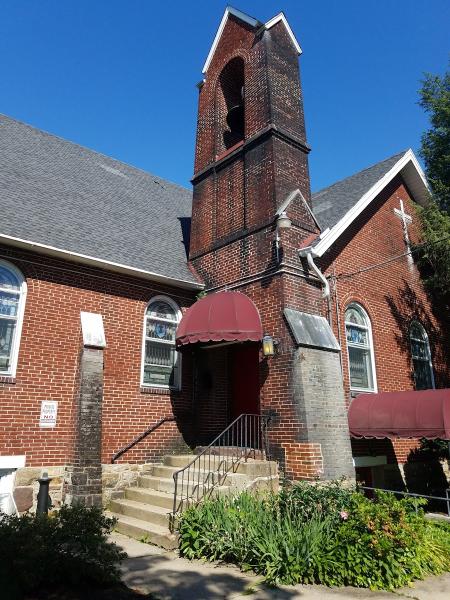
(361, 358)
(12, 305)
(161, 363)
(421, 357)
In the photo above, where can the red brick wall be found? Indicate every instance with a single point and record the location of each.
(303, 460)
(393, 295)
(49, 360)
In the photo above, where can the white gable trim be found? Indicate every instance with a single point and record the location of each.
(251, 21)
(289, 199)
(418, 184)
(228, 11)
(282, 18)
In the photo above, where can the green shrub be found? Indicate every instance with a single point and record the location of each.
(70, 547)
(319, 534)
(307, 500)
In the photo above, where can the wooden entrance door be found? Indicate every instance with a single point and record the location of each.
(244, 369)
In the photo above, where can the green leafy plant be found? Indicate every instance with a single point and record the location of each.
(69, 547)
(327, 534)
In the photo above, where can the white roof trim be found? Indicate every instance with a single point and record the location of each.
(228, 11)
(408, 159)
(251, 21)
(97, 262)
(282, 18)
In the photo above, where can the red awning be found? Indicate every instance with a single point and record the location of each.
(220, 317)
(401, 415)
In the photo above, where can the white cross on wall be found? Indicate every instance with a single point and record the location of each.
(406, 220)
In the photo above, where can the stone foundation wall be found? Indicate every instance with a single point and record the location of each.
(115, 478)
(26, 486)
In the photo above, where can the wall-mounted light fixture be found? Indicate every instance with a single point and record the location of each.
(282, 222)
(269, 345)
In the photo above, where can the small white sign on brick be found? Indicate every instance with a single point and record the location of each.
(49, 411)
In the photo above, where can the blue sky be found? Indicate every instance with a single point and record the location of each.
(119, 76)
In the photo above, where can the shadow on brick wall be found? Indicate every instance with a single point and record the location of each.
(424, 473)
(406, 307)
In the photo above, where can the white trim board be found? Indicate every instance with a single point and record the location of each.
(280, 17)
(369, 461)
(12, 462)
(97, 262)
(253, 23)
(411, 171)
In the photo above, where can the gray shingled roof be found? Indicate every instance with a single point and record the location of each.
(57, 193)
(330, 204)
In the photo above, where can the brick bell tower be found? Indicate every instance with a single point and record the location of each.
(251, 165)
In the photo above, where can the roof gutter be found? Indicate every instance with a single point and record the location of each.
(98, 263)
(309, 254)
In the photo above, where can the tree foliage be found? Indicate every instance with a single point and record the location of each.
(435, 149)
(434, 254)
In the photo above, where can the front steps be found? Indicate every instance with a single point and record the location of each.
(144, 510)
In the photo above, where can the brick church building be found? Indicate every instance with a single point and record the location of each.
(128, 302)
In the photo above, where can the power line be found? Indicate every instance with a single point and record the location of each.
(389, 260)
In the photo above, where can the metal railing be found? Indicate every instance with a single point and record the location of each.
(140, 437)
(244, 438)
(445, 499)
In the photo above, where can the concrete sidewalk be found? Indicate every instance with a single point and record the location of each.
(166, 576)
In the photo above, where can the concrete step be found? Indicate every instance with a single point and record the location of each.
(141, 510)
(164, 481)
(150, 497)
(197, 474)
(147, 532)
(164, 484)
(182, 460)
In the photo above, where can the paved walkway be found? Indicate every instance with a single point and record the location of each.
(151, 570)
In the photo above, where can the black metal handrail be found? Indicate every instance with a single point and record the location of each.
(140, 437)
(245, 437)
(445, 498)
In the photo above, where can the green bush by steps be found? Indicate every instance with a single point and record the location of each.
(325, 534)
(68, 548)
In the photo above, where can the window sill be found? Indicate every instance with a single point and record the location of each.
(160, 391)
(355, 392)
(7, 379)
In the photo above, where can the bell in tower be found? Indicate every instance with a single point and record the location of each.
(231, 98)
(235, 117)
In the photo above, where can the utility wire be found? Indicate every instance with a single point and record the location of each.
(389, 260)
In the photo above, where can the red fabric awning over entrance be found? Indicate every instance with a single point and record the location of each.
(401, 415)
(220, 317)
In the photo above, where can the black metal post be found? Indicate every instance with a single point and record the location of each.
(43, 498)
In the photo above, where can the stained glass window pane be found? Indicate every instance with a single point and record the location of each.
(418, 332)
(360, 368)
(355, 335)
(161, 330)
(352, 315)
(9, 304)
(7, 328)
(419, 349)
(160, 363)
(8, 279)
(420, 352)
(422, 375)
(161, 310)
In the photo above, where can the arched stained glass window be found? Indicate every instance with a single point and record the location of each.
(12, 303)
(360, 349)
(421, 357)
(161, 361)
